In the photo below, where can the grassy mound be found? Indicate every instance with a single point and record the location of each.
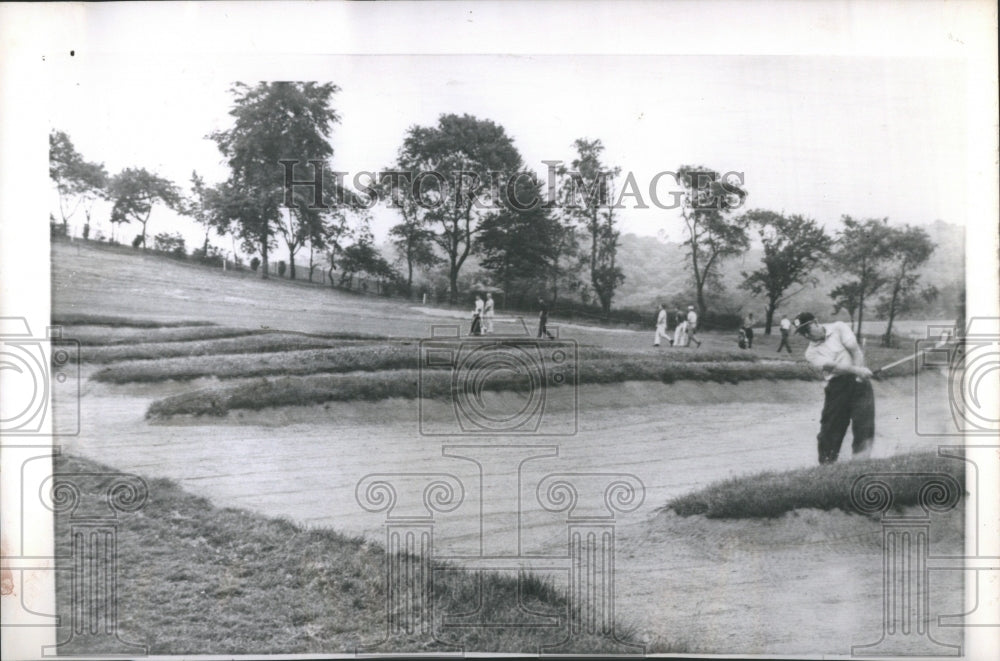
(290, 354)
(89, 336)
(77, 319)
(439, 384)
(197, 579)
(820, 487)
(155, 357)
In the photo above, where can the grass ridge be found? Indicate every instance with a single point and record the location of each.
(771, 494)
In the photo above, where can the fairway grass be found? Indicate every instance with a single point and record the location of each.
(197, 579)
(826, 487)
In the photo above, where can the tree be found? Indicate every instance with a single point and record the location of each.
(411, 238)
(453, 169)
(711, 234)
(589, 201)
(860, 251)
(845, 297)
(77, 180)
(518, 242)
(135, 191)
(171, 243)
(569, 260)
(278, 121)
(363, 257)
(908, 248)
(793, 247)
(198, 205)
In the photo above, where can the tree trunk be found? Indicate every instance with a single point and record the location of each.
(409, 276)
(453, 284)
(263, 259)
(861, 313)
(887, 338)
(701, 303)
(768, 318)
(291, 263)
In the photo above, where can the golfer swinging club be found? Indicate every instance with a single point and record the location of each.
(833, 349)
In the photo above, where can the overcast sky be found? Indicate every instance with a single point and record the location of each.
(820, 136)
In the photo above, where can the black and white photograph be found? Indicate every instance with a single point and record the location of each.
(538, 328)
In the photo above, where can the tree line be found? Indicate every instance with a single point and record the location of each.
(531, 241)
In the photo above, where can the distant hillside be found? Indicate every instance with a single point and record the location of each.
(659, 271)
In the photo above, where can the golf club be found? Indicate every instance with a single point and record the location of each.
(910, 357)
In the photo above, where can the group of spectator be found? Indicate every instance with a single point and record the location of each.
(687, 326)
(684, 333)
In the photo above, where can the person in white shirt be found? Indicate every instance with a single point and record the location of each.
(692, 326)
(680, 333)
(848, 398)
(488, 314)
(661, 327)
(785, 327)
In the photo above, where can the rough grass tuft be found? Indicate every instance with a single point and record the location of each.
(826, 487)
(197, 579)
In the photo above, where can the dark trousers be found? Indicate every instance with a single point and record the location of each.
(542, 330)
(784, 341)
(847, 401)
(748, 332)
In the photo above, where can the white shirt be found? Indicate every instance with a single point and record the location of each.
(785, 324)
(831, 349)
(489, 305)
(692, 318)
(661, 318)
(479, 305)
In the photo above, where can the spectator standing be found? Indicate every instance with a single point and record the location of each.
(661, 327)
(786, 328)
(543, 319)
(748, 329)
(680, 331)
(477, 317)
(488, 314)
(692, 326)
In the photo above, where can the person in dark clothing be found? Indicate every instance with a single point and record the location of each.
(543, 319)
(748, 330)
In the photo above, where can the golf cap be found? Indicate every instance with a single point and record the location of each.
(690, 307)
(803, 320)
